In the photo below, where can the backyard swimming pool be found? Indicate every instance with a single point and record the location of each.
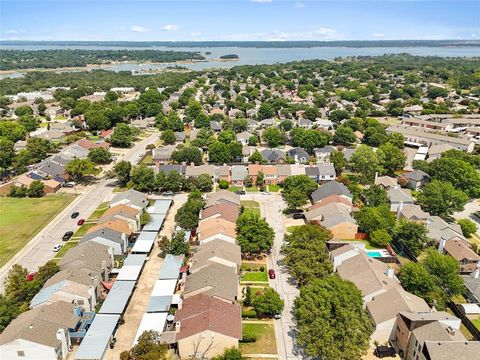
(374, 253)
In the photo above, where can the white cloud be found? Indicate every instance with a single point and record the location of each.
(261, 1)
(474, 35)
(299, 5)
(196, 33)
(170, 27)
(11, 32)
(138, 28)
(326, 33)
(277, 35)
(378, 35)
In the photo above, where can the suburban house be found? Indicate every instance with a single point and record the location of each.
(462, 251)
(131, 198)
(386, 182)
(331, 188)
(270, 174)
(243, 137)
(108, 237)
(40, 333)
(439, 229)
(416, 179)
(323, 154)
(399, 197)
(326, 172)
(339, 255)
(383, 310)
(206, 326)
(299, 155)
(273, 156)
(163, 154)
(247, 151)
(66, 290)
(218, 224)
(283, 171)
(223, 173)
(216, 251)
(413, 212)
(332, 199)
(239, 173)
(122, 212)
(222, 196)
(114, 224)
(226, 211)
(370, 275)
(472, 284)
(167, 169)
(193, 171)
(216, 280)
(226, 234)
(336, 218)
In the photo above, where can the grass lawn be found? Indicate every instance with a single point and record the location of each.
(252, 189)
(101, 209)
(66, 246)
(265, 343)
(248, 266)
(22, 219)
(291, 228)
(474, 239)
(476, 323)
(235, 188)
(255, 276)
(255, 211)
(249, 204)
(274, 188)
(82, 230)
(147, 160)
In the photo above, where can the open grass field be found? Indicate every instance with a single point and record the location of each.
(22, 219)
(265, 343)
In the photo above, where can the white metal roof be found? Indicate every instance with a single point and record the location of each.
(97, 339)
(117, 297)
(471, 308)
(151, 321)
(164, 287)
(143, 246)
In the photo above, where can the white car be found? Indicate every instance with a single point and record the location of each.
(57, 247)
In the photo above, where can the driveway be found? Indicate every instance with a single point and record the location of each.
(271, 207)
(470, 208)
(40, 249)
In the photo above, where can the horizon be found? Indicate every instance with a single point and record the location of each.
(255, 20)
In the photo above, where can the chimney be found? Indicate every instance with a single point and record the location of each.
(389, 272)
(177, 327)
(441, 245)
(399, 209)
(476, 273)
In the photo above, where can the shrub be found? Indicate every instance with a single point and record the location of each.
(248, 338)
(223, 184)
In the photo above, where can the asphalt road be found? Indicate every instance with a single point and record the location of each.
(40, 249)
(271, 207)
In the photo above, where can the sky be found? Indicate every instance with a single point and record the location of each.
(259, 20)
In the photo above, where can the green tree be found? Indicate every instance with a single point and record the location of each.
(188, 154)
(391, 157)
(253, 140)
(204, 183)
(274, 137)
(247, 301)
(100, 156)
(12, 131)
(173, 181)
(321, 311)
(148, 347)
(38, 149)
(309, 139)
(178, 245)
(305, 253)
(121, 171)
(434, 91)
(380, 237)
(142, 178)
(97, 120)
(268, 303)
(338, 115)
(344, 135)
(441, 198)
(226, 136)
(28, 122)
(256, 157)
(254, 235)
(168, 137)
(7, 153)
(218, 153)
(338, 160)
(446, 271)
(265, 111)
(375, 195)
(286, 125)
(223, 184)
(365, 162)
(370, 219)
(187, 215)
(295, 199)
(193, 109)
(23, 110)
(468, 227)
(79, 169)
(36, 189)
(230, 354)
(122, 136)
(397, 140)
(411, 234)
(202, 121)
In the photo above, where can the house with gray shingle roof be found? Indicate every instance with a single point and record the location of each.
(132, 198)
(273, 155)
(331, 188)
(298, 154)
(239, 173)
(108, 237)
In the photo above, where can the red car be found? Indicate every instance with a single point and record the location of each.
(271, 274)
(80, 222)
(31, 276)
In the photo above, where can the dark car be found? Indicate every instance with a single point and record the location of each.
(67, 235)
(81, 222)
(240, 192)
(271, 274)
(382, 351)
(75, 215)
(298, 216)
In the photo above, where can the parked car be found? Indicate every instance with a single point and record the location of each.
(168, 193)
(277, 315)
(298, 216)
(75, 215)
(266, 193)
(240, 192)
(31, 276)
(382, 351)
(67, 235)
(69, 184)
(81, 222)
(271, 274)
(57, 247)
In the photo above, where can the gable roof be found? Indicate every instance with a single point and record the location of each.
(215, 280)
(438, 228)
(216, 223)
(460, 249)
(330, 215)
(326, 169)
(193, 170)
(117, 225)
(367, 273)
(222, 196)
(204, 313)
(239, 172)
(91, 254)
(334, 198)
(218, 249)
(413, 211)
(396, 195)
(132, 196)
(386, 181)
(272, 155)
(387, 305)
(106, 233)
(40, 325)
(119, 210)
(299, 152)
(417, 175)
(330, 188)
(227, 211)
(447, 350)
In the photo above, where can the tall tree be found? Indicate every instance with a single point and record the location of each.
(365, 162)
(441, 198)
(254, 235)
